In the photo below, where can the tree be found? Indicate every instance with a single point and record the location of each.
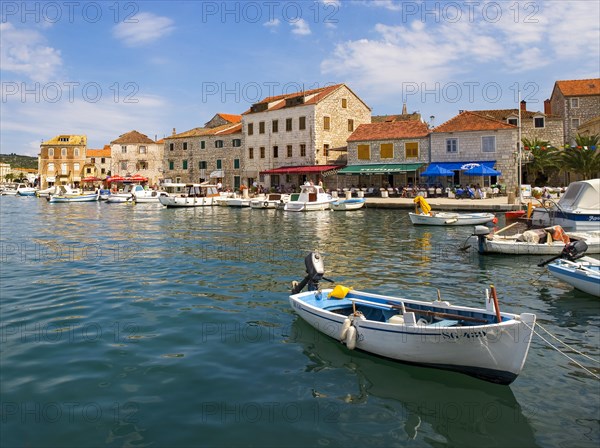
(543, 161)
(583, 159)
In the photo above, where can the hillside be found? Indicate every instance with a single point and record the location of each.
(17, 161)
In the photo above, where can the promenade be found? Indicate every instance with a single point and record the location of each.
(496, 204)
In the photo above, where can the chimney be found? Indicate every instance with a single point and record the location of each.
(547, 107)
(174, 132)
(523, 106)
(404, 111)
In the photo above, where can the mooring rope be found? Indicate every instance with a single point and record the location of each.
(563, 353)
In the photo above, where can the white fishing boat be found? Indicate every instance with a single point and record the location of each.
(311, 198)
(64, 193)
(8, 189)
(577, 210)
(572, 267)
(425, 216)
(348, 204)
(126, 195)
(483, 343)
(238, 202)
(24, 190)
(272, 200)
(148, 196)
(547, 241)
(196, 195)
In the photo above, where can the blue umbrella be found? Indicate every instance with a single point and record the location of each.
(436, 171)
(482, 170)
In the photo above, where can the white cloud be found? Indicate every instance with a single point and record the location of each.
(142, 29)
(334, 3)
(273, 23)
(300, 27)
(25, 52)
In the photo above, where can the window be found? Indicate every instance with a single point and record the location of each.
(513, 121)
(364, 152)
(63, 168)
(178, 180)
(262, 152)
(452, 145)
(102, 160)
(275, 126)
(219, 164)
(76, 167)
(250, 128)
(171, 164)
(288, 124)
(50, 152)
(302, 150)
(344, 103)
(236, 164)
(538, 122)
(302, 123)
(142, 165)
(250, 153)
(325, 150)
(124, 166)
(123, 149)
(202, 164)
(185, 146)
(63, 152)
(350, 125)
(218, 143)
(102, 170)
(93, 160)
(326, 123)
(275, 152)
(386, 150)
(171, 146)
(50, 167)
(261, 127)
(236, 143)
(184, 164)
(574, 102)
(411, 150)
(574, 122)
(202, 144)
(488, 144)
(76, 151)
(289, 150)
(143, 149)
(88, 171)
(63, 139)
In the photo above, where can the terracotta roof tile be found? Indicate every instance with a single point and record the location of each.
(579, 87)
(104, 152)
(73, 140)
(231, 117)
(390, 130)
(470, 121)
(503, 114)
(199, 132)
(399, 117)
(132, 137)
(312, 96)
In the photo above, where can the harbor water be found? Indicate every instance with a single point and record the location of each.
(134, 325)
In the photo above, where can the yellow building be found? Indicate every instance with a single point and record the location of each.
(62, 159)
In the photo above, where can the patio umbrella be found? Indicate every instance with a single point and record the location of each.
(482, 170)
(137, 178)
(437, 171)
(115, 179)
(90, 179)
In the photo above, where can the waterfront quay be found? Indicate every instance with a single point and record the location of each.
(497, 204)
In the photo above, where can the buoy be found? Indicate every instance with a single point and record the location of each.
(351, 338)
(345, 326)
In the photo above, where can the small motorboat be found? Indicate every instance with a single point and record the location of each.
(196, 195)
(272, 200)
(311, 198)
(423, 215)
(64, 193)
(484, 343)
(24, 190)
(348, 204)
(572, 267)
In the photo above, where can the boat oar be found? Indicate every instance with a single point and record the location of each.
(495, 298)
(506, 228)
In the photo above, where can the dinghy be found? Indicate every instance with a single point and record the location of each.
(484, 343)
(423, 215)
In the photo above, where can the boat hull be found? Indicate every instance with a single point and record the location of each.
(583, 274)
(348, 204)
(578, 222)
(298, 206)
(513, 247)
(493, 352)
(182, 202)
(64, 199)
(451, 219)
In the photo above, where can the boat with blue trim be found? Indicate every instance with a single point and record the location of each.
(483, 343)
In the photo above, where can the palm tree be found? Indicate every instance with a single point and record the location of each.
(544, 161)
(582, 159)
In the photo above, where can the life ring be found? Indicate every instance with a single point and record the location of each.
(266, 204)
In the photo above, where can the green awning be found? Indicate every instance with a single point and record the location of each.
(383, 168)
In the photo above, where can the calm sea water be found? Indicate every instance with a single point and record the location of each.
(136, 325)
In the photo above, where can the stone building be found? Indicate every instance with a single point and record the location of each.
(387, 153)
(298, 136)
(98, 163)
(470, 138)
(211, 153)
(135, 153)
(577, 102)
(61, 160)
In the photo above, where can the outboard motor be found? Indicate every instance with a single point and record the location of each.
(571, 252)
(315, 270)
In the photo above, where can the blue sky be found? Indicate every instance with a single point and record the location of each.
(105, 68)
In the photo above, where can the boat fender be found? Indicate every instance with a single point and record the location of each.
(347, 324)
(351, 338)
(422, 322)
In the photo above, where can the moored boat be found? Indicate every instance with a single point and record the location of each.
(65, 194)
(311, 198)
(24, 190)
(272, 200)
(425, 216)
(197, 195)
(484, 343)
(348, 204)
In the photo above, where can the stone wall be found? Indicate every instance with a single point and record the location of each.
(147, 163)
(75, 154)
(587, 109)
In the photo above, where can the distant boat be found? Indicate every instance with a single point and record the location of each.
(65, 194)
(272, 200)
(348, 204)
(196, 195)
(424, 216)
(24, 190)
(578, 209)
(311, 198)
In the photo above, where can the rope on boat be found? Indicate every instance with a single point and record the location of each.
(563, 353)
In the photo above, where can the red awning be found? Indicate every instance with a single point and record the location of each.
(136, 178)
(115, 179)
(302, 169)
(91, 179)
